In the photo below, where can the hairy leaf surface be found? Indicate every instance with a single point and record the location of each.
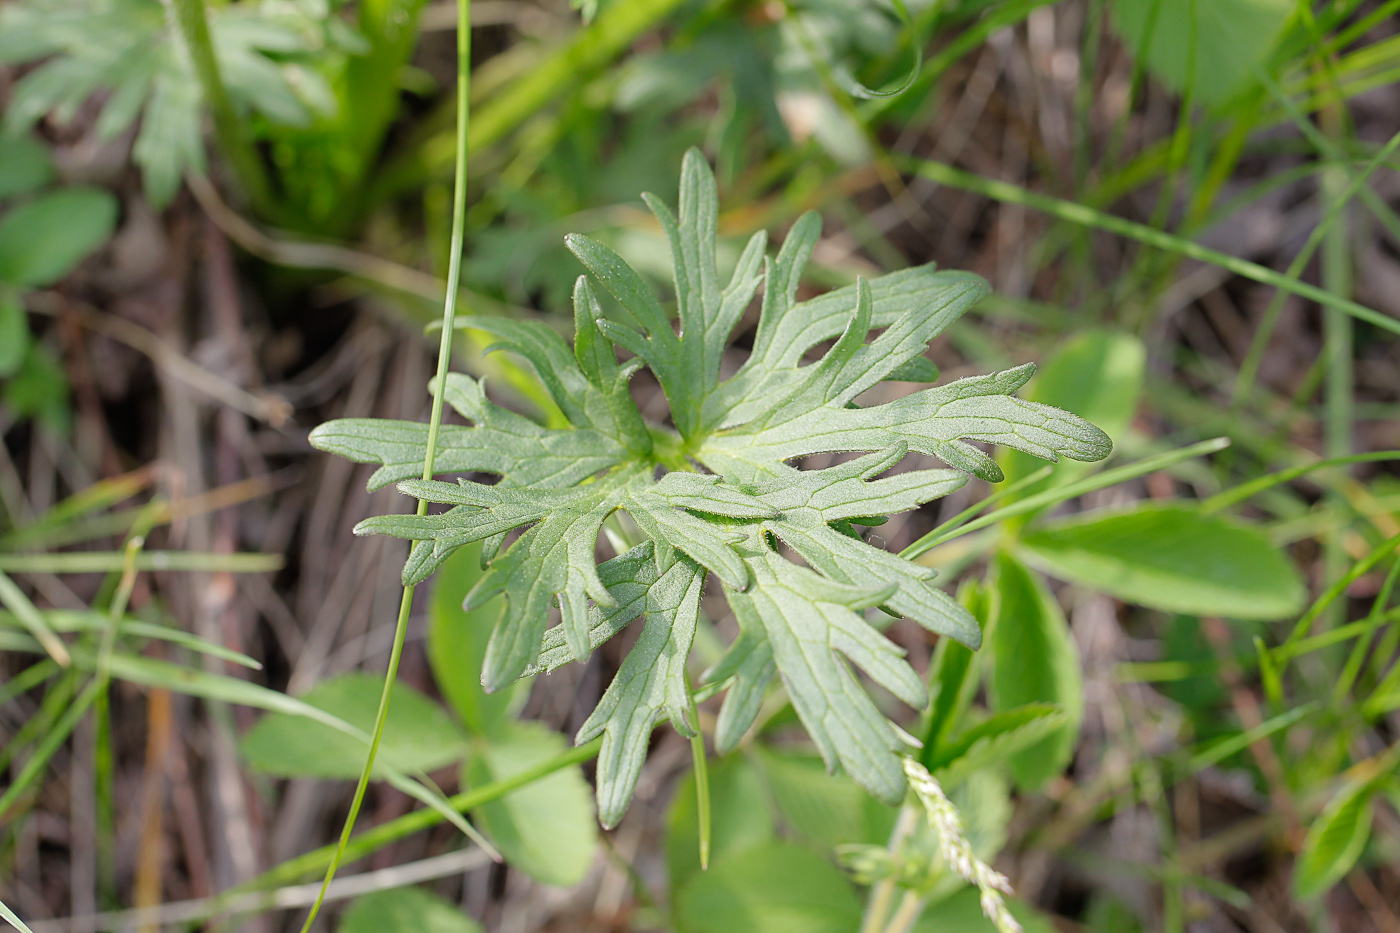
(715, 491)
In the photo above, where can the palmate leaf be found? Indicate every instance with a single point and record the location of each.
(715, 493)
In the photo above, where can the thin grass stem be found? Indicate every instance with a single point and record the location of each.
(1087, 216)
(1000, 495)
(114, 561)
(32, 619)
(1254, 357)
(449, 316)
(12, 920)
(1329, 596)
(1070, 490)
(1240, 493)
(1373, 622)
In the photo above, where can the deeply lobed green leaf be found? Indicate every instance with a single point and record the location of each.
(715, 492)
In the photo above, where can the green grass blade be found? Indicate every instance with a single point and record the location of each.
(1223, 500)
(1249, 368)
(1374, 620)
(33, 620)
(54, 738)
(28, 679)
(386, 834)
(702, 783)
(12, 920)
(114, 561)
(449, 314)
(1090, 217)
(1070, 490)
(1220, 750)
(1360, 569)
(1000, 495)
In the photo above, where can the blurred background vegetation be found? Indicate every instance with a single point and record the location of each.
(1187, 213)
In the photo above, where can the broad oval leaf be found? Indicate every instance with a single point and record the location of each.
(1207, 47)
(24, 165)
(822, 809)
(1335, 840)
(1097, 375)
(741, 817)
(220, 687)
(405, 910)
(775, 888)
(1034, 661)
(547, 828)
(1172, 558)
(14, 334)
(418, 736)
(42, 240)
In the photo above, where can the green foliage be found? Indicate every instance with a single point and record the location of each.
(38, 389)
(773, 888)
(42, 239)
(953, 677)
(1096, 374)
(1107, 914)
(457, 644)
(1171, 557)
(128, 628)
(24, 166)
(1207, 48)
(1335, 840)
(740, 817)
(405, 910)
(271, 55)
(43, 236)
(323, 164)
(1033, 660)
(546, 829)
(419, 737)
(961, 913)
(819, 809)
(1000, 739)
(565, 483)
(803, 587)
(14, 334)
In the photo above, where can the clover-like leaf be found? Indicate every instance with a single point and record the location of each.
(715, 491)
